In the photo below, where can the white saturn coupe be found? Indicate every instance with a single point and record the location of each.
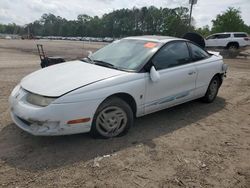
(103, 93)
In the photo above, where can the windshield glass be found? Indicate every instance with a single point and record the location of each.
(126, 54)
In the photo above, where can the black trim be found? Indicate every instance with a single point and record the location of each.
(196, 38)
(23, 120)
(142, 67)
(191, 54)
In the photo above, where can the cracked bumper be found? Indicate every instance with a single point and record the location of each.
(51, 120)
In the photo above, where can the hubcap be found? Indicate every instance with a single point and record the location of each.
(213, 89)
(111, 121)
(232, 48)
(233, 51)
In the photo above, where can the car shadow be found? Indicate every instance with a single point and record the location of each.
(21, 150)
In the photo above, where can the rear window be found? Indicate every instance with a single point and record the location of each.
(240, 35)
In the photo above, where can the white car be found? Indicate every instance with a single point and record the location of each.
(229, 40)
(103, 93)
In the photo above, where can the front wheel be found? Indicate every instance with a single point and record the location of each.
(212, 90)
(113, 118)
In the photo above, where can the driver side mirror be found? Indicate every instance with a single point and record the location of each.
(90, 53)
(154, 75)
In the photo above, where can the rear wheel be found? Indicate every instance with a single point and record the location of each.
(233, 50)
(212, 90)
(113, 118)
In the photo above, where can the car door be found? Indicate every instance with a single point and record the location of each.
(177, 77)
(211, 41)
(223, 39)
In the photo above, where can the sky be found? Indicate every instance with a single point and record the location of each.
(22, 12)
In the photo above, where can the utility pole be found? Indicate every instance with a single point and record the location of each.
(28, 32)
(192, 2)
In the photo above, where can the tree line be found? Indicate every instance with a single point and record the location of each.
(127, 22)
(229, 21)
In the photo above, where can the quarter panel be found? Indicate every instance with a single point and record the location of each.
(206, 70)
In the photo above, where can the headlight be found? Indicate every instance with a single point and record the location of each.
(39, 100)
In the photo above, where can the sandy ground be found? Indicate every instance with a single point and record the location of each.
(191, 145)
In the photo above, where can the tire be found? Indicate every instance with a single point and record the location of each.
(113, 118)
(233, 50)
(212, 90)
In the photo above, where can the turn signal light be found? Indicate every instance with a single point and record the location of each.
(76, 121)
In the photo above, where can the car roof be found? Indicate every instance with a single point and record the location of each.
(155, 38)
(229, 33)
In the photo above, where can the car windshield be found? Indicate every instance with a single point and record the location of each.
(125, 54)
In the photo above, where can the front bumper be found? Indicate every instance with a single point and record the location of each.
(224, 69)
(50, 120)
(39, 128)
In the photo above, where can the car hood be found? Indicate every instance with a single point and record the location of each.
(59, 79)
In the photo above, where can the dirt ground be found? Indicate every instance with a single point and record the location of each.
(191, 145)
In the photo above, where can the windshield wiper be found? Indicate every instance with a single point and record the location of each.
(103, 63)
(100, 62)
(88, 60)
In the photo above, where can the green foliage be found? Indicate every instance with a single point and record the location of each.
(119, 23)
(229, 21)
(204, 31)
(127, 22)
(11, 29)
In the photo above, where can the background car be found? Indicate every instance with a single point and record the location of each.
(229, 40)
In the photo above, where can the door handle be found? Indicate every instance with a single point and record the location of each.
(191, 73)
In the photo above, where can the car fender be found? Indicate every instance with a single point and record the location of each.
(133, 84)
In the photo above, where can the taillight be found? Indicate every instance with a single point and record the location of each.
(246, 38)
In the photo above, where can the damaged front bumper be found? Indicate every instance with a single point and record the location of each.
(47, 121)
(38, 128)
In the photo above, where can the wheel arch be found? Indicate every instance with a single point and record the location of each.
(233, 43)
(129, 99)
(220, 76)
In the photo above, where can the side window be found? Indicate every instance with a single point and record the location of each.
(240, 35)
(197, 52)
(223, 36)
(171, 55)
(211, 37)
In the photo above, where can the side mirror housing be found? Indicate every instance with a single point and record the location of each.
(90, 53)
(154, 75)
